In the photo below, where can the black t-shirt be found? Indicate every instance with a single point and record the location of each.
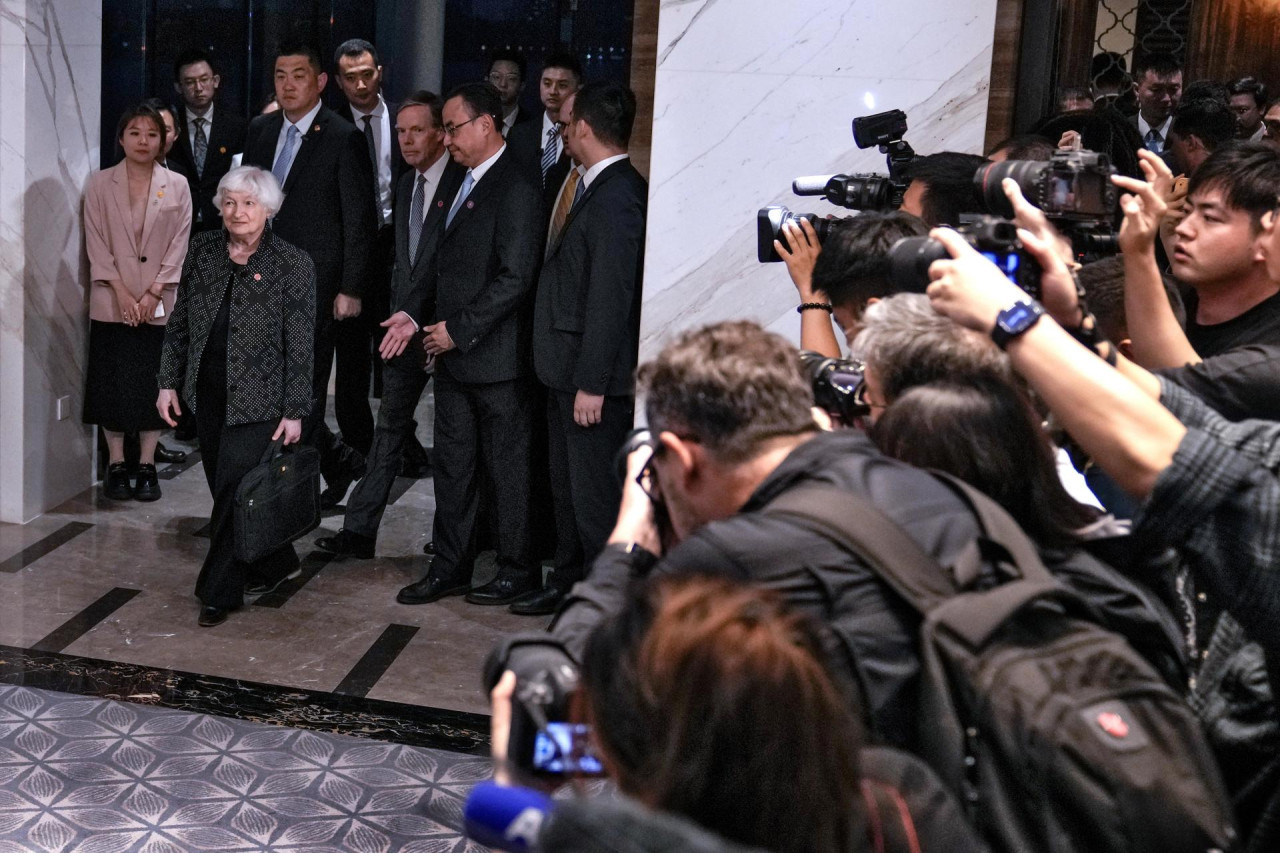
(1259, 325)
(1243, 383)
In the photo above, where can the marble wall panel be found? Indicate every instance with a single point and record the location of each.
(751, 94)
(50, 90)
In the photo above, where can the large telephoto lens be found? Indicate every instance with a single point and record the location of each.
(909, 261)
(1027, 174)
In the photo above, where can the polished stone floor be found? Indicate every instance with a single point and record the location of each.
(96, 598)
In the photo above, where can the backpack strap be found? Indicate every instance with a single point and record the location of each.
(886, 548)
(890, 828)
(998, 528)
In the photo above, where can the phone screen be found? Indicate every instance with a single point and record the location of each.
(565, 749)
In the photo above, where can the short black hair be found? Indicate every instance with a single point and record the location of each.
(481, 99)
(1246, 173)
(428, 99)
(352, 48)
(161, 106)
(506, 54)
(948, 180)
(1206, 90)
(1159, 64)
(1103, 283)
(853, 265)
(566, 60)
(143, 109)
(609, 109)
(191, 56)
(298, 47)
(1027, 147)
(1249, 86)
(1211, 122)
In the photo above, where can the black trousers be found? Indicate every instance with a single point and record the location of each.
(377, 298)
(348, 341)
(403, 381)
(228, 453)
(584, 481)
(481, 430)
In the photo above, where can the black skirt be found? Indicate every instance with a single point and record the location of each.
(121, 388)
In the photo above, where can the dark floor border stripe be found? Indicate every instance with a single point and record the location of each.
(311, 566)
(36, 550)
(175, 470)
(394, 722)
(375, 662)
(85, 621)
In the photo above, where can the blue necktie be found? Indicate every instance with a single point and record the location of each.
(467, 183)
(1155, 142)
(549, 152)
(285, 160)
(577, 194)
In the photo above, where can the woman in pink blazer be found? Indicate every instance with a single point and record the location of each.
(137, 217)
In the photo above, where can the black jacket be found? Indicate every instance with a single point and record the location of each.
(410, 277)
(328, 209)
(226, 139)
(398, 165)
(526, 140)
(269, 345)
(486, 265)
(587, 314)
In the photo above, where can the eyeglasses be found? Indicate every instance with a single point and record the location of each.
(193, 82)
(495, 79)
(647, 479)
(452, 129)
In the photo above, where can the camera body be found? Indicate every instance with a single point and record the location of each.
(997, 239)
(1071, 185)
(839, 386)
(543, 741)
(769, 222)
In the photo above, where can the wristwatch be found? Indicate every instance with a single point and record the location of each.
(1015, 320)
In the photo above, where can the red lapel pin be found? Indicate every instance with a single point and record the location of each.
(257, 276)
(470, 204)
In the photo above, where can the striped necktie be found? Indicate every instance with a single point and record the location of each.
(549, 153)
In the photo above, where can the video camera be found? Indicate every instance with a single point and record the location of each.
(854, 192)
(996, 239)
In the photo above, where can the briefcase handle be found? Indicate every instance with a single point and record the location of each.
(275, 449)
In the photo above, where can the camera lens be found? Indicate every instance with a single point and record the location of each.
(769, 223)
(1027, 174)
(909, 261)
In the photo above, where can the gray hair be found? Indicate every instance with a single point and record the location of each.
(907, 344)
(258, 183)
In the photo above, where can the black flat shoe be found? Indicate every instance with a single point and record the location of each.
(265, 587)
(504, 589)
(169, 457)
(431, 588)
(540, 602)
(117, 487)
(148, 486)
(210, 616)
(347, 544)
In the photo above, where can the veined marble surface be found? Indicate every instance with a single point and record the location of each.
(50, 90)
(751, 94)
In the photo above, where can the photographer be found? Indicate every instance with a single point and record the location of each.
(941, 187)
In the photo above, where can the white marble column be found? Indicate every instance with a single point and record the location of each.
(753, 93)
(50, 92)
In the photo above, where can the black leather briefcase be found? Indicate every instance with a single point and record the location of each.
(278, 501)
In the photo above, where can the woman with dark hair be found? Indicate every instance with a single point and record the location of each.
(239, 351)
(137, 216)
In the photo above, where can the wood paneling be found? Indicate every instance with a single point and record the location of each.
(1077, 26)
(1004, 71)
(1232, 38)
(644, 69)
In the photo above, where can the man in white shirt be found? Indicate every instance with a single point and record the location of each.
(536, 144)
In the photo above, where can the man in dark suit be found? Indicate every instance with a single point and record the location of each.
(422, 196)
(587, 327)
(536, 144)
(323, 164)
(359, 76)
(506, 73)
(206, 142)
(1159, 88)
(486, 262)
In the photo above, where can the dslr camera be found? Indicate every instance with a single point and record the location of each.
(996, 239)
(839, 386)
(544, 742)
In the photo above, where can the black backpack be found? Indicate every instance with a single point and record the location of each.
(1056, 735)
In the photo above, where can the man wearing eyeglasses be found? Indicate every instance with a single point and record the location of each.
(205, 146)
(506, 73)
(479, 333)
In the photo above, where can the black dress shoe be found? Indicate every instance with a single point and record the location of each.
(347, 544)
(540, 602)
(265, 587)
(210, 616)
(118, 487)
(430, 548)
(431, 588)
(504, 589)
(147, 487)
(169, 457)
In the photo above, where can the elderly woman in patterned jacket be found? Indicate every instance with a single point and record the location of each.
(238, 349)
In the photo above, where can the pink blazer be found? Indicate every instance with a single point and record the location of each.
(114, 253)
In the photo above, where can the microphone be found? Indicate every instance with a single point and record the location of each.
(506, 818)
(811, 184)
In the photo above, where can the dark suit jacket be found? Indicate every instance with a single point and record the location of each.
(398, 166)
(410, 282)
(525, 141)
(270, 342)
(587, 317)
(226, 139)
(486, 265)
(328, 209)
(523, 115)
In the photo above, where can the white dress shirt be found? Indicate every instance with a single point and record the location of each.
(1163, 130)
(594, 171)
(303, 124)
(382, 145)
